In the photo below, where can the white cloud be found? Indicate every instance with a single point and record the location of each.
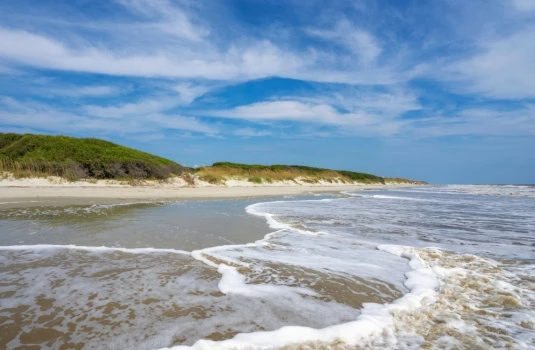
(36, 50)
(182, 123)
(320, 114)
(41, 116)
(355, 40)
(524, 5)
(288, 110)
(188, 92)
(240, 58)
(389, 104)
(255, 61)
(167, 17)
(143, 107)
(126, 119)
(341, 107)
(478, 121)
(161, 38)
(84, 91)
(504, 69)
(249, 132)
(185, 94)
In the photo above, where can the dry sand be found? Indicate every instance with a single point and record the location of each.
(54, 191)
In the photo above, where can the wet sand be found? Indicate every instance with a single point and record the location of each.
(25, 196)
(184, 225)
(146, 301)
(80, 292)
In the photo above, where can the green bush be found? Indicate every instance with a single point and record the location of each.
(255, 179)
(309, 174)
(76, 158)
(211, 179)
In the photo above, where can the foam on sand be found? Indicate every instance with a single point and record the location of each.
(374, 319)
(335, 273)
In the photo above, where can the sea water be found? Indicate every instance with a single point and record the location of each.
(426, 267)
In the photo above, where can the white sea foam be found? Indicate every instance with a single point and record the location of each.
(434, 290)
(453, 298)
(374, 319)
(271, 249)
(150, 297)
(379, 196)
(232, 282)
(483, 190)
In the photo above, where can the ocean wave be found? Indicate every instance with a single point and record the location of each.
(451, 304)
(481, 190)
(373, 320)
(450, 300)
(454, 301)
(381, 196)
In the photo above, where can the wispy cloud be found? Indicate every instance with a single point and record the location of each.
(389, 103)
(178, 95)
(143, 107)
(142, 117)
(188, 92)
(478, 121)
(182, 123)
(363, 70)
(83, 91)
(355, 40)
(167, 17)
(249, 132)
(319, 114)
(503, 68)
(348, 110)
(524, 5)
(173, 42)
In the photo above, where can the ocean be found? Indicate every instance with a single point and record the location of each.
(431, 267)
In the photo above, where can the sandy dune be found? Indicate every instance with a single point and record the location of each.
(50, 191)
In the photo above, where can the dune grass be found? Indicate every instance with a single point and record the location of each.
(219, 172)
(401, 181)
(31, 155)
(72, 158)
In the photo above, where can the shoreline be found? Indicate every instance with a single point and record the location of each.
(23, 195)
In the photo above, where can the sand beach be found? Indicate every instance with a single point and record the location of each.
(55, 191)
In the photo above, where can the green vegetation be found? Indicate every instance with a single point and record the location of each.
(219, 172)
(88, 158)
(255, 179)
(399, 180)
(74, 158)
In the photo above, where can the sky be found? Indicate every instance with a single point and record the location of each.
(442, 91)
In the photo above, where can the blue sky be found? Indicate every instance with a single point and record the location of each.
(442, 91)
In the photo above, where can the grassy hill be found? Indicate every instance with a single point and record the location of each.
(41, 155)
(31, 155)
(219, 172)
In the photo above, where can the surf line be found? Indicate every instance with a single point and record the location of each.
(422, 282)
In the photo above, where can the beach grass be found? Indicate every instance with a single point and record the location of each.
(219, 172)
(29, 155)
(72, 158)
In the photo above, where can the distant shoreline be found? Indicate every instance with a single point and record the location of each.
(32, 192)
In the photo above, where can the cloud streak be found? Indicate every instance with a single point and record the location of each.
(504, 68)
(365, 74)
(141, 117)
